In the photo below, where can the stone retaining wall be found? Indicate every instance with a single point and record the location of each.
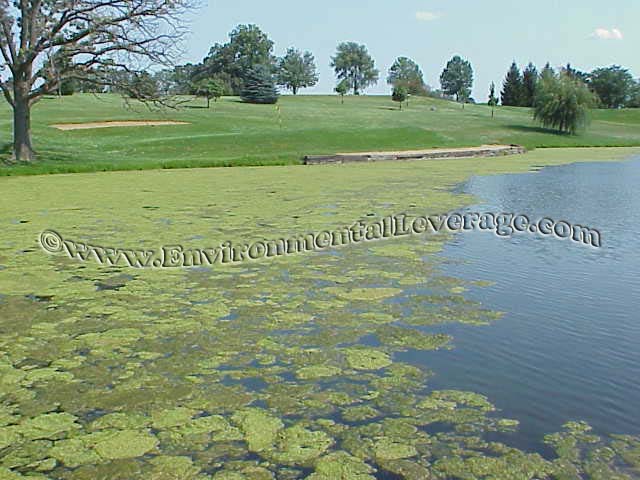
(432, 154)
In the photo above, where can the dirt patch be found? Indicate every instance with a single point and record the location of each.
(110, 124)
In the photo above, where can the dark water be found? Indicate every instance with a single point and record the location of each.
(568, 347)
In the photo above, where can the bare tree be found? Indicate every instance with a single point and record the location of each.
(106, 42)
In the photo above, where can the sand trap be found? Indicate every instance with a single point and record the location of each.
(125, 123)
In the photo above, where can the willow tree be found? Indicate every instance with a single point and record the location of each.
(44, 43)
(563, 103)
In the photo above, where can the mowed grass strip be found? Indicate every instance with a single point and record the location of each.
(232, 133)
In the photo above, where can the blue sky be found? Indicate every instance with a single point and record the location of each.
(489, 33)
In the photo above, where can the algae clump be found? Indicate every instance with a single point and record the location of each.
(341, 465)
(299, 446)
(125, 444)
(259, 427)
(366, 358)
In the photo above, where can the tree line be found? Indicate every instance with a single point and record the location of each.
(245, 66)
(612, 87)
(108, 46)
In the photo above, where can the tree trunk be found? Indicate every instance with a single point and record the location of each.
(22, 148)
(208, 102)
(295, 90)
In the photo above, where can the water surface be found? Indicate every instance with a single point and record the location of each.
(568, 347)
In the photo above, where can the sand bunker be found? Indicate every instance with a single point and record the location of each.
(125, 123)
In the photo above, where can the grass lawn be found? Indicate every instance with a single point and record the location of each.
(234, 133)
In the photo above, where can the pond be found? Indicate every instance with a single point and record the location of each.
(568, 347)
(447, 357)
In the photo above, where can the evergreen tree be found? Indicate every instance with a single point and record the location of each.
(493, 100)
(576, 74)
(547, 72)
(512, 87)
(259, 86)
(529, 83)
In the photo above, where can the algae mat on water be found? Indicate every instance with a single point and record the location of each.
(275, 369)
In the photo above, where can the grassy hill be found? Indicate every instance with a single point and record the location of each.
(234, 133)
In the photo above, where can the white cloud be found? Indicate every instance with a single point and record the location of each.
(606, 34)
(427, 16)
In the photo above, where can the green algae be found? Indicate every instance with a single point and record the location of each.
(259, 427)
(164, 419)
(364, 294)
(124, 444)
(7, 474)
(9, 436)
(174, 468)
(74, 452)
(279, 369)
(297, 445)
(49, 425)
(387, 449)
(120, 421)
(457, 403)
(406, 469)
(216, 425)
(229, 475)
(317, 371)
(359, 413)
(366, 358)
(628, 448)
(341, 465)
(407, 338)
(515, 465)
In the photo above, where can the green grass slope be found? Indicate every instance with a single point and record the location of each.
(234, 133)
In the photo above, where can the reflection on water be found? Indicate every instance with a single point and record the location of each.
(568, 347)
